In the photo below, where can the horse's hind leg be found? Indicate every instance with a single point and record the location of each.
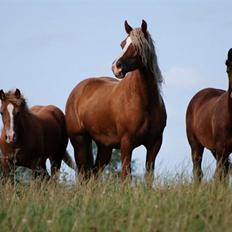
(82, 145)
(223, 165)
(152, 151)
(102, 159)
(197, 153)
(57, 156)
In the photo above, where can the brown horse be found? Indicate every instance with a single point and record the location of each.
(119, 114)
(209, 124)
(30, 136)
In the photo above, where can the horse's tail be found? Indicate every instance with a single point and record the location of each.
(69, 161)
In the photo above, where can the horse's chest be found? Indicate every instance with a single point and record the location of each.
(150, 126)
(144, 126)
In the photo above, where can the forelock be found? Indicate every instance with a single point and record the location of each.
(11, 98)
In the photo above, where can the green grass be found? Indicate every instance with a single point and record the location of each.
(172, 205)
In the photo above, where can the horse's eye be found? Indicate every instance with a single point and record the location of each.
(123, 43)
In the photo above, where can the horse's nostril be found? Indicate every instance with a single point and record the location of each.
(14, 138)
(5, 137)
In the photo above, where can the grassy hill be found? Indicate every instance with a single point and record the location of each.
(108, 205)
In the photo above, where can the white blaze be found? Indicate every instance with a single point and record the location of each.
(10, 131)
(128, 42)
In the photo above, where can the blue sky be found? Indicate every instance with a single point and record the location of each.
(47, 47)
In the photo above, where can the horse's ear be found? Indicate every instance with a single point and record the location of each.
(144, 28)
(17, 93)
(2, 95)
(230, 55)
(128, 28)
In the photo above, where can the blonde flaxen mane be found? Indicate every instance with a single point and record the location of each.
(145, 48)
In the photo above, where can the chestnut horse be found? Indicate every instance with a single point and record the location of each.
(209, 124)
(30, 136)
(119, 114)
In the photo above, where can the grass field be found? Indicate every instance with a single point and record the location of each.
(108, 205)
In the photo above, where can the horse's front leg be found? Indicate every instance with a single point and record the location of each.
(126, 153)
(152, 151)
(102, 159)
(39, 169)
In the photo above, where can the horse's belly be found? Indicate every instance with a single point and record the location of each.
(110, 140)
(207, 142)
(101, 127)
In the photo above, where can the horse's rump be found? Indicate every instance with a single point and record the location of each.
(91, 101)
(200, 115)
(52, 122)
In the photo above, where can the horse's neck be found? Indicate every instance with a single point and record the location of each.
(229, 96)
(143, 82)
(230, 92)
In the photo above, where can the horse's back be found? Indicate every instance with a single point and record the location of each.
(89, 85)
(52, 122)
(49, 112)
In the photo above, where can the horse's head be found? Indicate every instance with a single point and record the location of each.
(229, 63)
(11, 104)
(130, 58)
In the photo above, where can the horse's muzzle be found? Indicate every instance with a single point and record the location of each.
(117, 70)
(11, 138)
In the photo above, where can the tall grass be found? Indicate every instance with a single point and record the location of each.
(108, 205)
